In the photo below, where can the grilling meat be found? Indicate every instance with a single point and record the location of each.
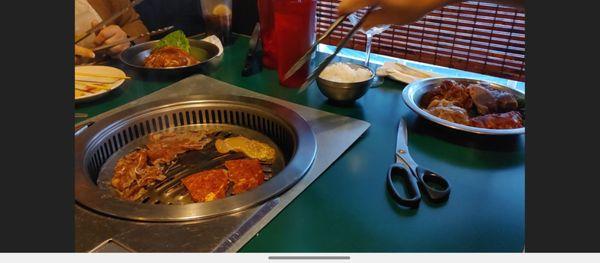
(251, 148)
(142, 168)
(448, 111)
(246, 174)
(451, 91)
(169, 56)
(490, 100)
(507, 120)
(163, 147)
(207, 185)
(133, 174)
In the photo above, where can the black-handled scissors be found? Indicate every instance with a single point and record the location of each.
(434, 185)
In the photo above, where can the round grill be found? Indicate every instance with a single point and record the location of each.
(98, 145)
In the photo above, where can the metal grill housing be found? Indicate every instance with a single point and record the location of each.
(96, 143)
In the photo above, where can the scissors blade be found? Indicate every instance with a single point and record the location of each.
(401, 139)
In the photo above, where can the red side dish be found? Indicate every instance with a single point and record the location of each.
(169, 56)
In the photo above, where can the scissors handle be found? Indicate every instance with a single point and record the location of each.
(436, 186)
(413, 197)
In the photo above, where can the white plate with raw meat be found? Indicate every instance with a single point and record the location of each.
(468, 105)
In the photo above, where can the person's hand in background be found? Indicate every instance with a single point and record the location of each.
(392, 11)
(81, 52)
(84, 52)
(403, 12)
(109, 35)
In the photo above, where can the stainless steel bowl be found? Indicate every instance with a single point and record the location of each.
(134, 57)
(414, 91)
(345, 92)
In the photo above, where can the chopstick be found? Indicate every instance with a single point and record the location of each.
(83, 90)
(155, 32)
(80, 115)
(101, 76)
(94, 85)
(96, 81)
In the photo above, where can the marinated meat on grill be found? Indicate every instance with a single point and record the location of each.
(163, 147)
(169, 56)
(251, 148)
(246, 174)
(490, 100)
(449, 90)
(448, 111)
(133, 174)
(507, 120)
(207, 185)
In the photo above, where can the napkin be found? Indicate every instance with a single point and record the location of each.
(215, 40)
(403, 73)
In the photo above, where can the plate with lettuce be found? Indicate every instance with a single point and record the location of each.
(176, 53)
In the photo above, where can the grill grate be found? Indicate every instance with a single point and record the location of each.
(130, 133)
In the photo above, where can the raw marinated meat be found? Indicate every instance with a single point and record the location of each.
(449, 90)
(207, 185)
(489, 100)
(448, 111)
(507, 120)
(245, 174)
(163, 147)
(133, 174)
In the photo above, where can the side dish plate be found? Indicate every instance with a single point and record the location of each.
(204, 51)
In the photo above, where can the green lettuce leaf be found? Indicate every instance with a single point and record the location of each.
(175, 39)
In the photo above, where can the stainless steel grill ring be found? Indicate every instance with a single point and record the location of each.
(97, 142)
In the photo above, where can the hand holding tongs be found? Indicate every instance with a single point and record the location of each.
(133, 38)
(328, 59)
(107, 21)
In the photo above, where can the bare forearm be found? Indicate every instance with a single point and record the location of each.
(404, 11)
(514, 3)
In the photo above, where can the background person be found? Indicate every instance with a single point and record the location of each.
(90, 12)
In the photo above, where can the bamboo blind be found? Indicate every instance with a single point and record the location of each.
(473, 36)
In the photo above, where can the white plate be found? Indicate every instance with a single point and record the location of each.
(99, 70)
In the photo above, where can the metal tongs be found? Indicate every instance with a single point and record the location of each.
(306, 57)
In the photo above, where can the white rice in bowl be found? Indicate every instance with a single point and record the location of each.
(343, 73)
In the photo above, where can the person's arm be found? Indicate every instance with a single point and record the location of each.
(130, 21)
(520, 4)
(126, 25)
(404, 11)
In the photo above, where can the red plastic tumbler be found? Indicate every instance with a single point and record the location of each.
(294, 35)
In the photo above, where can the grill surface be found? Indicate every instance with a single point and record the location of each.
(171, 191)
(98, 146)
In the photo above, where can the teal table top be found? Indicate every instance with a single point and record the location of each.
(347, 209)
